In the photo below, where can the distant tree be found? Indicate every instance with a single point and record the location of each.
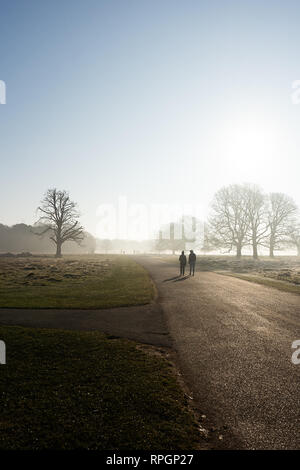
(5, 239)
(59, 216)
(282, 210)
(229, 223)
(207, 242)
(168, 239)
(105, 245)
(89, 243)
(177, 239)
(175, 235)
(256, 210)
(160, 243)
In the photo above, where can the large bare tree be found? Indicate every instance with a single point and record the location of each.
(229, 223)
(282, 210)
(59, 216)
(256, 207)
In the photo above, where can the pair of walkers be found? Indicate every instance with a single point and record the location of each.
(192, 262)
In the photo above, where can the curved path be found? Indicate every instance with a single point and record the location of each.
(233, 340)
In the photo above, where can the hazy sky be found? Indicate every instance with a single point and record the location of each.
(159, 101)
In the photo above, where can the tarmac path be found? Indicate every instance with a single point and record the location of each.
(234, 339)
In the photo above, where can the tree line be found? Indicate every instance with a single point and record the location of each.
(241, 216)
(22, 238)
(244, 216)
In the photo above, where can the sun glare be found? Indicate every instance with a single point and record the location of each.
(249, 145)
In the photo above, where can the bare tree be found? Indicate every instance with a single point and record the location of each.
(59, 215)
(206, 243)
(257, 217)
(282, 210)
(229, 223)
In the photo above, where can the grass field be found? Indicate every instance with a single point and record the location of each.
(75, 390)
(86, 282)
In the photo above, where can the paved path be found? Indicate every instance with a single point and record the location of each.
(143, 323)
(234, 341)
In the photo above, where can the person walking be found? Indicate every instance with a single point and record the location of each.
(192, 262)
(182, 261)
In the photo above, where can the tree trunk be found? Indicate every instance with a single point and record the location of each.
(58, 249)
(298, 250)
(271, 253)
(255, 253)
(238, 251)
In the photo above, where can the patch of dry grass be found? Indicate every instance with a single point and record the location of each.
(291, 275)
(245, 264)
(93, 281)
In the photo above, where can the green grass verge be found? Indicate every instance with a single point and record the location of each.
(85, 282)
(75, 390)
(280, 285)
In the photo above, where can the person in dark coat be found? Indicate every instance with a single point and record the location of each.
(182, 261)
(192, 262)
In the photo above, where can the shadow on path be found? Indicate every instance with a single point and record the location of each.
(177, 278)
(182, 278)
(171, 279)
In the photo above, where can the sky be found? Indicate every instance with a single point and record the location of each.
(156, 102)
